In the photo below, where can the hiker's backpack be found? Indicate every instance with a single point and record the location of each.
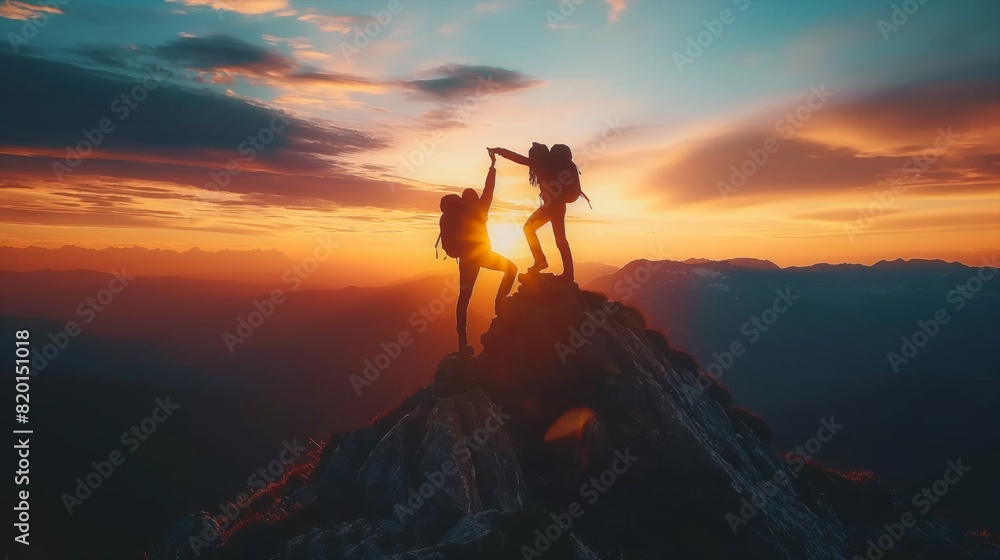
(567, 187)
(452, 226)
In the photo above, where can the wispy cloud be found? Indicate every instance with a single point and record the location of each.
(333, 24)
(246, 7)
(12, 9)
(216, 52)
(616, 9)
(455, 81)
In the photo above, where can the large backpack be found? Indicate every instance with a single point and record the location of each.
(452, 225)
(565, 174)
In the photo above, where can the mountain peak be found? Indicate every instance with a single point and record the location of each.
(576, 433)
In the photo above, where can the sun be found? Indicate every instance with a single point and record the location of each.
(507, 238)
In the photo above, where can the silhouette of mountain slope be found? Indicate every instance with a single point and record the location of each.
(827, 355)
(576, 433)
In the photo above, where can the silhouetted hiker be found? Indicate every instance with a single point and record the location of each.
(464, 237)
(558, 181)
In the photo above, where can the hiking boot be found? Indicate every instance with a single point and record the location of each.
(537, 267)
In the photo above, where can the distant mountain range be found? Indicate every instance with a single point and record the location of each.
(749, 263)
(254, 265)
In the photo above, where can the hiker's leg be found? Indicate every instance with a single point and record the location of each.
(537, 219)
(559, 230)
(468, 271)
(494, 261)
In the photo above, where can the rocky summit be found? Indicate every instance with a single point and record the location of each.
(577, 433)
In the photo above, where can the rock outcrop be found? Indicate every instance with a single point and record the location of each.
(578, 433)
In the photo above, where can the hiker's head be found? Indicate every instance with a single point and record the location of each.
(450, 202)
(470, 196)
(560, 153)
(538, 163)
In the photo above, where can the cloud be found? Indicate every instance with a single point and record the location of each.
(174, 138)
(333, 24)
(457, 81)
(221, 52)
(839, 215)
(858, 143)
(348, 82)
(245, 7)
(443, 118)
(217, 58)
(171, 122)
(912, 114)
(12, 9)
(164, 189)
(616, 7)
(797, 165)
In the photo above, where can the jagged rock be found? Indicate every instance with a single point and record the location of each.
(341, 470)
(449, 457)
(455, 373)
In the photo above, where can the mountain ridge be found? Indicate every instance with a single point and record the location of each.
(578, 433)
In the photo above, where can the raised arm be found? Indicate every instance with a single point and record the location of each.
(491, 182)
(512, 156)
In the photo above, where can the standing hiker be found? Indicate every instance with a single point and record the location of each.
(558, 181)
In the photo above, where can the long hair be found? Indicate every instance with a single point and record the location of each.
(538, 163)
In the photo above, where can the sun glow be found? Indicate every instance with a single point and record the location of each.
(507, 238)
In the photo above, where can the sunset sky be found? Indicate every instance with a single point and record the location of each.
(364, 118)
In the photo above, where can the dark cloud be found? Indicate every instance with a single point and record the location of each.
(216, 52)
(457, 81)
(179, 135)
(169, 134)
(52, 103)
(232, 56)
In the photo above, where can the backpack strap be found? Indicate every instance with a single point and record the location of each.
(436, 246)
(587, 198)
